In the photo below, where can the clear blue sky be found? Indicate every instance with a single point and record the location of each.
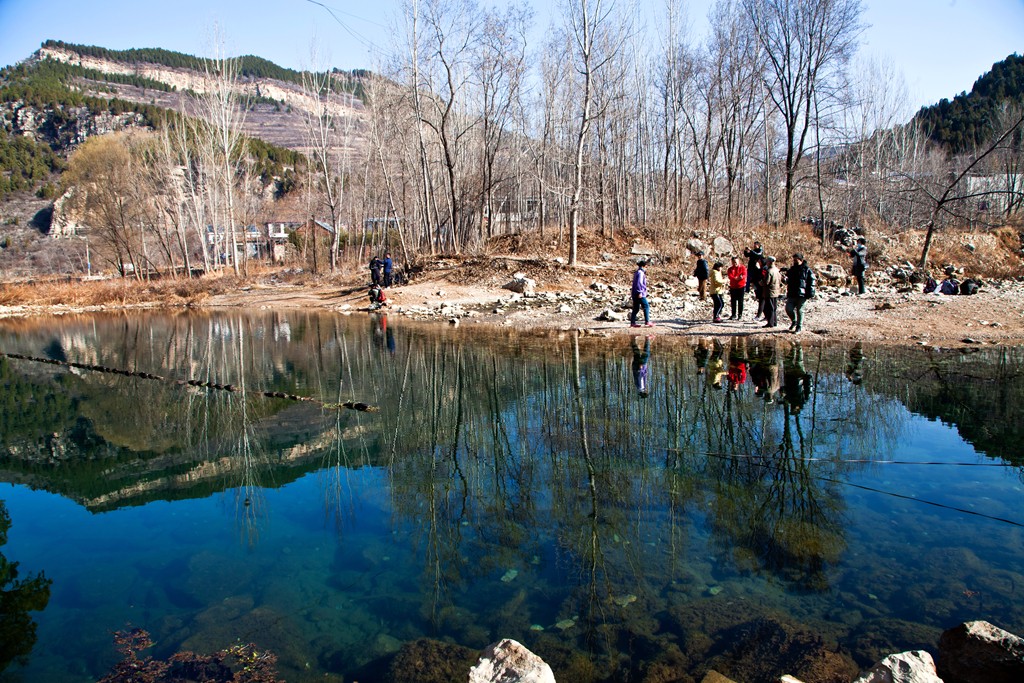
(941, 46)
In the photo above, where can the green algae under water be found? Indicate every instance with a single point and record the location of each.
(627, 511)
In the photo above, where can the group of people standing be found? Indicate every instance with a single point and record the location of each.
(761, 276)
(379, 267)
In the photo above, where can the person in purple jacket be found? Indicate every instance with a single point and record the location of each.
(639, 292)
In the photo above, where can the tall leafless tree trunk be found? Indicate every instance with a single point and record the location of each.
(596, 41)
(328, 128)
(806, 43)
(223, 112)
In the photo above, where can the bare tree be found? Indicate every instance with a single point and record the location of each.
(110, 194)
(738, 61)
(597, 34)
(674, 71)
(389, 117)
(878, 106)
(700, 107)
(1009, 164)
(184, 135)
(328, 129)
(452, 30)
(955, 192)
(223, 115)
(173, 198)
(500, 70)
(807, 43)
(551, 132)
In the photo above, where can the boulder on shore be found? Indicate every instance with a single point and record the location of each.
(978, 652)
(521, 284)
(508, 661)
(722, 247)
(833, 272)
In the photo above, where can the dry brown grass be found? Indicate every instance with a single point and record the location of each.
(119, 292)
(162, 292)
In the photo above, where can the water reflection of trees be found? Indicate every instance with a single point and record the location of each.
(611, 471)
(530, 460)
(18, 597)
(981, 393)
(168, 438)
(541, 418)
(777, 507)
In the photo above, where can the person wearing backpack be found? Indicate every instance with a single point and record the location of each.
(375, 267)
(800, 283)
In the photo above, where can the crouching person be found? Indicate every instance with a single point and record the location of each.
(378, 299)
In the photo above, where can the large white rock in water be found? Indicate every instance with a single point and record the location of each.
(977, 651)
(508, 661)
(722, 246)
(916, 666)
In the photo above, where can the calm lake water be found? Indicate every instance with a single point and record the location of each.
(620, 509)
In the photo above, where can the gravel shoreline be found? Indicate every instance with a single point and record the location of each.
(994, 316)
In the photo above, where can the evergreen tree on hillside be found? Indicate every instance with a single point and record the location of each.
(966, 122)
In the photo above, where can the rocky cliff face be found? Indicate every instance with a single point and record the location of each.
(281, 122)
(65, 128)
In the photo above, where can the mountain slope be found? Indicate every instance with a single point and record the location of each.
(144, 81)
(967, 121)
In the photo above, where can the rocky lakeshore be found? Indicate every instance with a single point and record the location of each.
(973, 652)
(886, 314)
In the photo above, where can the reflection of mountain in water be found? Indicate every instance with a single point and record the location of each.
(148, 439)
(980, 393)
(85, 449)
(108, 441)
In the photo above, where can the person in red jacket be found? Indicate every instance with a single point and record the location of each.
(737, 284)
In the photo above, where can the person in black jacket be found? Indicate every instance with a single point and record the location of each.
(799, 288)
(753, 254)
(375, 265)
(755, 275)
(860, 262)
(702, 273)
